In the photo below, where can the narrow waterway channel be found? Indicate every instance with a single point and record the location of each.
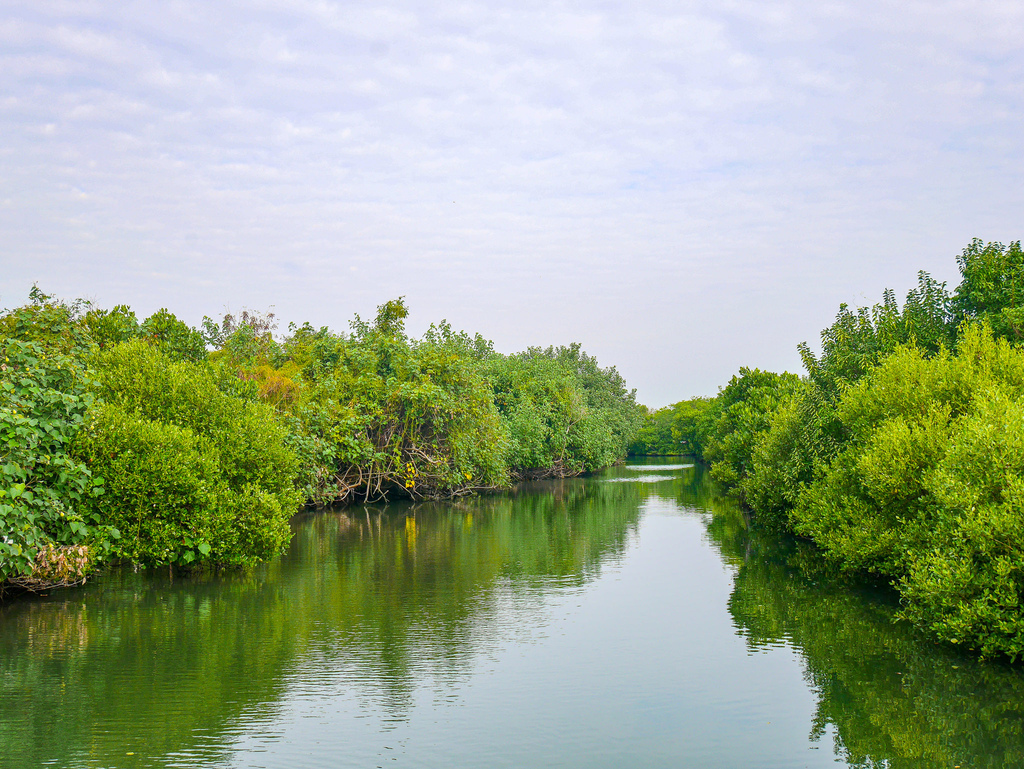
(630, 619)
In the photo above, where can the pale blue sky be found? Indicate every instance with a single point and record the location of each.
(685, 188)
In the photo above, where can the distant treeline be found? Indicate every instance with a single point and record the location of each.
(158, 443)
(900, 453)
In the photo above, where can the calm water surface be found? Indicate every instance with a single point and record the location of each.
(629, 620)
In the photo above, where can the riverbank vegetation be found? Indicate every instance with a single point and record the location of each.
(155, 443)
(900, 452)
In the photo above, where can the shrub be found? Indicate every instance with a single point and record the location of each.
(966, 583)
(992, 287)
(163, 485)
(928, 490)
(195, 473)
(540, 405)
(782, 462)
(382, 414)
(563, 413)
(44, 493)
(175, 338)
(737, 419)
(110, 327)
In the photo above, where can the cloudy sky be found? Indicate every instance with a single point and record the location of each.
(683, 187)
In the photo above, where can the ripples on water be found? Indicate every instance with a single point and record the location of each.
(571, 624)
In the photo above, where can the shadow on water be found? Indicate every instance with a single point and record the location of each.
(141, 669)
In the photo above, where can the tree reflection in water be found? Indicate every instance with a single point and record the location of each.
(134, 669)
(145, 670)
(894, 699)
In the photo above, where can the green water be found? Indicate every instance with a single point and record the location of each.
(620, 621)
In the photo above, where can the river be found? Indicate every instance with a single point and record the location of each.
(626, 620)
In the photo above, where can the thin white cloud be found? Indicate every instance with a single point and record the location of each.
(684, 187)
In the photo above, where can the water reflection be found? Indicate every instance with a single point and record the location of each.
(894, 699)
(376, 611)
(142, 669)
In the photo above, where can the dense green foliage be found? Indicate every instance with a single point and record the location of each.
(44, 396)
(564, 415)
(191, 472)
(671, 430)
(992, 288)
(859, 340)
(901, 453)
(375, 413)
(398, 415)
(928, 488)
(157, 443)
(739, 417)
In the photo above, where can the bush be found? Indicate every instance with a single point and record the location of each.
(671, 430)
(202, 452)
(176, 339)
(109, 327)
(194, 473)
(44, 493)
(563, 414)
(967, 583)
(782, 462)
(738, 418)
(163, 485)
(992, 287)
(613, 416)
(928, 490)
(540, 404)
(381, 414)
